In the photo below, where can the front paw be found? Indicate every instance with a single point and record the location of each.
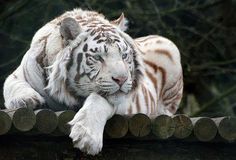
(88, 124)
(87, 140)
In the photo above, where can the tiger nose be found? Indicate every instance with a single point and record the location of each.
(120, 80)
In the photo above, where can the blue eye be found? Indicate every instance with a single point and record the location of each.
(124, 56)
(97, 57)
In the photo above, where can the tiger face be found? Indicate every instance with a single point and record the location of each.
(104, 62)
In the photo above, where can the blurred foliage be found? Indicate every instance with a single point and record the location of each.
(204, 31)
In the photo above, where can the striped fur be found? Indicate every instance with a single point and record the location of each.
(81, 54)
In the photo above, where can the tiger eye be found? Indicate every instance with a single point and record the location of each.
(97, 57)
(124, 56)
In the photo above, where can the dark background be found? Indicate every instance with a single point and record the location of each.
(204, 31)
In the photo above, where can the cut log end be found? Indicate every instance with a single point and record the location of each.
(183, 126)
(163, 127)
(117, 126)
(140, 125)
(5, 122)
(227, 128)
(46, 121)
(205, 129)
(23, 119)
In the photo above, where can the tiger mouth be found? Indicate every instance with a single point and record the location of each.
(119, 93)
(116, 93)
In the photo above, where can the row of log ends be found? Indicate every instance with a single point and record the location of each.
(45, 121)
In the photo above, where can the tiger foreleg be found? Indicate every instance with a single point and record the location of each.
(88, 124)
(18, 91)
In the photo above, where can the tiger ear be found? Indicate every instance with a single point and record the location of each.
(69, 29)
(121, 22)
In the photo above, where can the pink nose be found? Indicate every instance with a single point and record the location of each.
(119, 80)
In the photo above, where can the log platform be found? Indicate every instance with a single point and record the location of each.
(43, 134)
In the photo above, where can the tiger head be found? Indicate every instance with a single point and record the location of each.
(96, 57)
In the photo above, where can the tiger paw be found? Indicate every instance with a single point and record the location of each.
(87, 130)
(86, 139)
(88, 124)
(27, 100)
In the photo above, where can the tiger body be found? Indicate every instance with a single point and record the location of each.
(81, 55)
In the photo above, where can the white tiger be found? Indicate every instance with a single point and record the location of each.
(81, 55)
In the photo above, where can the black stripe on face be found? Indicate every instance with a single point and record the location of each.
(79, 60)
(70, 63)
(85, 48)
(92, 59)
(89, 59)
(94, 50)
(99, 58)
(105, 49)
(101, 40)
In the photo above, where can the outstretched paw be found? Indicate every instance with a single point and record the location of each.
(85, 139)
(88, 124)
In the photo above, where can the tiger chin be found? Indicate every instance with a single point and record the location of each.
(82, 59)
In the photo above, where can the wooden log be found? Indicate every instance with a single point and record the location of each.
(163, 127)
(23, 119)
(139, 125)
(205, 128)
(226, 128)
(183, 126)
(117, 126)
(46, 121)
(5, 122)
(63, 118)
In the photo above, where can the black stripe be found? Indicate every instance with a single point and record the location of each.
(105, 49)
(97, 37)
(85, 48)
(70, 63)
(93, 50)
(79, 60)
(101, 40)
